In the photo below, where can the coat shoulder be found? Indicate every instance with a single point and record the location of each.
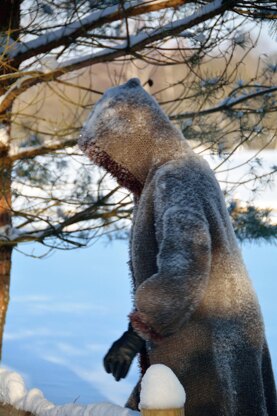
(187, 168)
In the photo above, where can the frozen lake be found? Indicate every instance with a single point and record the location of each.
(65, 311)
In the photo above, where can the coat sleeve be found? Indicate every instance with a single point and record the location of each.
(165, 301)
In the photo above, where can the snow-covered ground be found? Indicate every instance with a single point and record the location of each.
(14, 392)
(160, 389)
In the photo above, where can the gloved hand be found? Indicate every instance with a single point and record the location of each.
(121, 354)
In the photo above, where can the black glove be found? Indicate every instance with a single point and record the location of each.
(121, 354)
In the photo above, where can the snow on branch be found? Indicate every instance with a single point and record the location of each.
(68, 33)
(133, 44)
(138, 42)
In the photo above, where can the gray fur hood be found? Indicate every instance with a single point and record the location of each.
(127, 133)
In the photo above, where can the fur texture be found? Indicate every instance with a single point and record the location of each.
(194, 303)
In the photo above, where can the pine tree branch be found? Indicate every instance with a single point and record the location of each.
(257, 9)
(257, 15)
(57, 230)
(226, 104)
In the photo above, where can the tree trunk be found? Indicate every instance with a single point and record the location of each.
(5, 227)
(5, 267)
(8, 410)
(9, 31)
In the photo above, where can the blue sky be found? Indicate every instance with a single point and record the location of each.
(66, 310)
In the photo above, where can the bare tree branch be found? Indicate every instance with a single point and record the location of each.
(32, 152)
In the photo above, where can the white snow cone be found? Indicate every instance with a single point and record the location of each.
(162, 394)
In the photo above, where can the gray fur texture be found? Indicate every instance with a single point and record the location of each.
(193, 301)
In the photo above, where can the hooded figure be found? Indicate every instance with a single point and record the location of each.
(195, 309)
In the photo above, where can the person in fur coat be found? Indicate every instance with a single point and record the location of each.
(195, 309)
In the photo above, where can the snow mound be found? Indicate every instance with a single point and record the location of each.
(161, 389)
(14, 392)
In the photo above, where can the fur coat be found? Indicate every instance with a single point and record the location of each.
(193, 301)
